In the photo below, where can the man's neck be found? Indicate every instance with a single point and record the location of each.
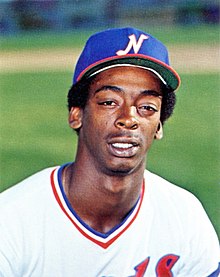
(101, 201)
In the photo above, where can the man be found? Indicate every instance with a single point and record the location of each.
(104, 214)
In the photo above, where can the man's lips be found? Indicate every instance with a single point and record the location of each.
(123, 147)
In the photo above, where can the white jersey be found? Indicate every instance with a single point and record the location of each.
(166, 234)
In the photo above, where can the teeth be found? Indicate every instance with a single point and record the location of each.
(122, 145)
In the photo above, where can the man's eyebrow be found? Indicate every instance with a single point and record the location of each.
(109, 87)
(152, 93)
(118, 89)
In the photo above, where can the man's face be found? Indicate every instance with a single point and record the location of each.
(121, 119)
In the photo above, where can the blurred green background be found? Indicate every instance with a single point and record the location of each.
(35, 133)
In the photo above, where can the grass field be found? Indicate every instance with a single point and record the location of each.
(35, 133)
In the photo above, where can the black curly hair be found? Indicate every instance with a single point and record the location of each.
(79, 93)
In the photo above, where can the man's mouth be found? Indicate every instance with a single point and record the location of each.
(123, 149)
(122, 145)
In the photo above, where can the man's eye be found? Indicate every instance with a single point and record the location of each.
(107, 103)
(148, 108)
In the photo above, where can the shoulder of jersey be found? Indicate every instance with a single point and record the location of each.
(165, 190)
(26, 188)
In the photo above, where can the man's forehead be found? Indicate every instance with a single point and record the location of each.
(117, 71)
(122, 79)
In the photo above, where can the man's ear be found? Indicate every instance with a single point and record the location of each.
(75, 118)
(159, 132)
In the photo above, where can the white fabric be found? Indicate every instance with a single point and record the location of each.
(168, 231)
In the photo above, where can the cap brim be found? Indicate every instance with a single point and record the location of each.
(165, 72)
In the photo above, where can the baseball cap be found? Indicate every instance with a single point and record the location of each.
(125, 47)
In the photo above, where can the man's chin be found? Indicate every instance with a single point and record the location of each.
(122, 173)
(123, 170)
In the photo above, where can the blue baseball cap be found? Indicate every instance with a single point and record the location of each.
(125, 47)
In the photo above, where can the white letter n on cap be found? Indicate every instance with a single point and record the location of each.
(133, 43)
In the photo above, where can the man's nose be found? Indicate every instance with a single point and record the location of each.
(128, 118)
